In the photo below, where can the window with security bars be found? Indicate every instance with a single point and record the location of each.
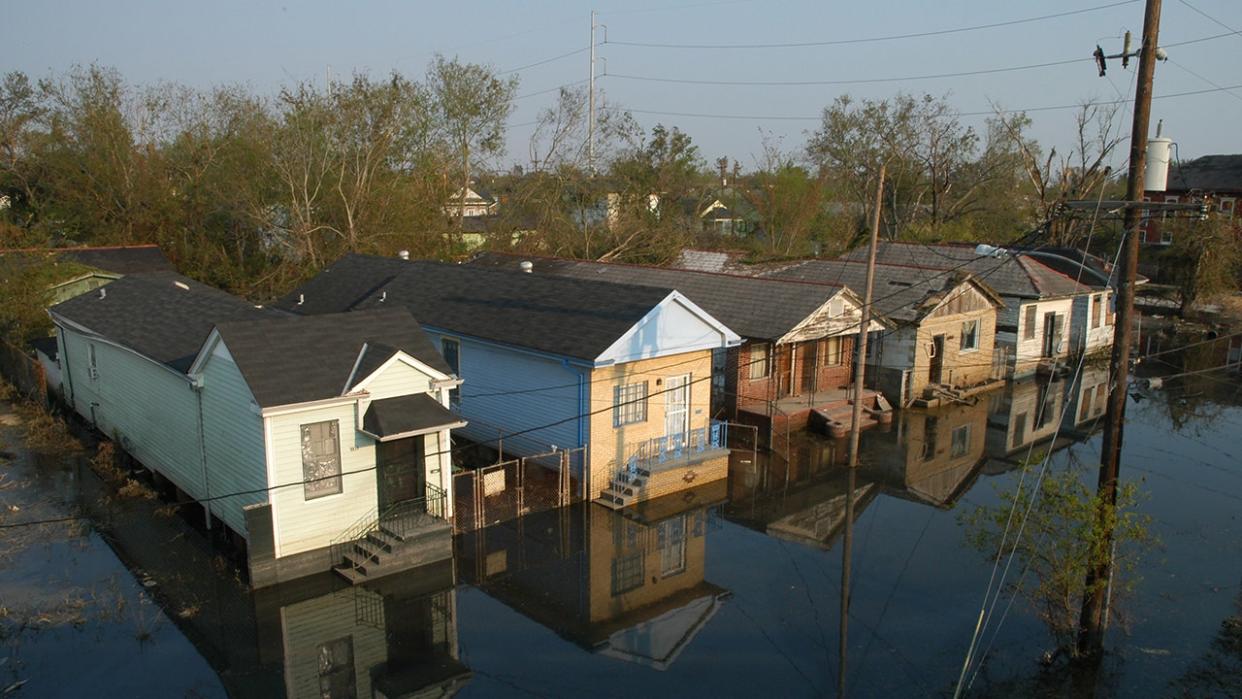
(627, 573)
(671, 538)
(321, 459)
(629, 404)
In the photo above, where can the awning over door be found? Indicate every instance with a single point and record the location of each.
(407, 416)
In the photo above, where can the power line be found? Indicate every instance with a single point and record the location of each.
(1210, 17)
(863, 40)
(545, 61)
(1207, 80)
(558, 88)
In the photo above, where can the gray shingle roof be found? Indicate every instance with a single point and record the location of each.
(1014, 274)
(393, 416)
(901, 293)
(757, 308)
(567, 317)
(295, 359)
(1210, 173)
(128, 259)
(342, 284)
(161, 315)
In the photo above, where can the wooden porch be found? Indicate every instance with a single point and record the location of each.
(829, 411)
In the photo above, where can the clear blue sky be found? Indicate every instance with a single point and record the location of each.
(265, 44)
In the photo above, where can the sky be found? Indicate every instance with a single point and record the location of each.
(268, 44)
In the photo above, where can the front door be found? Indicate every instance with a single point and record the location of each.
(1052, 334)
(401, 475)
(677, 409)
(809, 357)
(935, 365)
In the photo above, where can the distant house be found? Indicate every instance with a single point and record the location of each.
(1050, 314)
(469, 203)
(799, 338)
(937, 454)
(724, 212)
(321, 441)
(1218, 177)
(628, 586)
(944, 327)
(621, 371)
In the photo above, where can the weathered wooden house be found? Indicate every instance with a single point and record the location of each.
(1050, 314)
(797, 358)
(620, 372)
(320, 441)
(630, 587)
(942, 343)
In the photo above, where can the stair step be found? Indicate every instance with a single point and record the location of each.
(357, 562)
(370, 550)
(352, 575)
(386, 535)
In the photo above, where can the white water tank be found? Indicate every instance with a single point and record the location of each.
(1156, 172)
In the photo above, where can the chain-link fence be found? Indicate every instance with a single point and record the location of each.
(509, 489)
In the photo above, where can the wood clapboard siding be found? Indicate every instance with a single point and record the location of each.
(151, 411)
(310, 624)
(487, 370)
(233, 438)
(398, 379)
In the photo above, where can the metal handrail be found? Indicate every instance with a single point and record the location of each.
(397, 517)
(672, 447)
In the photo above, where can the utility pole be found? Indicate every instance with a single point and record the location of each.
(861, 343)
(591, 104)
(1094, 616)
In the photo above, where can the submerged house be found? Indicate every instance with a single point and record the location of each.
(942, 343)
(626, 586)
(796, 363)
(1050, 313)
(618, 374)
(322, 442)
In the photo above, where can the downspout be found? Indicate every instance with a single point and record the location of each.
(64, 341)
(197, 386)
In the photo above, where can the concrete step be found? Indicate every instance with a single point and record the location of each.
(352, 576)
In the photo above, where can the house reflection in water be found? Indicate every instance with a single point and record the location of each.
(933, 455)
(800, 500)
(1027, 415)
(625, 584)
(393, 637)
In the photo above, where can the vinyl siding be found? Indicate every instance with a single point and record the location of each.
(148, 409)
(397, 379)
(308, 625)
(487, 370)
(233, 438)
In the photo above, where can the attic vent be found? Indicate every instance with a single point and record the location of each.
(835, 307)
(182, 285)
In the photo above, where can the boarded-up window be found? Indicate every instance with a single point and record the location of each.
(1096, 302)
(321, 459)
(1028, 323)
(629, 404)
(336, 668)
(832, 351)
(760, 360)
(970, 335)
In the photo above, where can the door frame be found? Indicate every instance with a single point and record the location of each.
(935, 363)
(683, 390)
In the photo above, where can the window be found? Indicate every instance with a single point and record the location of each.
(451, 349)
(627, 573)
(1227, 206)
(321, 459)
(970, 335)
(1109, 299)
(1028, 325)
(671, 538)
(931, 429)
(760, 360)
(629, 404)
(94, 367)
(337, 677)
(961, 441)
(832, 351)
(1166, 234)
(1084, 411)
(1096, 301)
(1019, 429)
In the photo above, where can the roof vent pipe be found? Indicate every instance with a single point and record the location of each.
(103, 293)
(403, 254)
(301, 299)
(383, 296)
(985, 250)
(526, 266)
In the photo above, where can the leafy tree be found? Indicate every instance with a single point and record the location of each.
(789, 201)
(1203, 261)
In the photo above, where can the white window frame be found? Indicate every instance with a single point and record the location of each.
(834, 354)
(629, 404)
(671, 538)
(1228, 205)
(760, 367)
(974, 335)
(1030, 322)
(93, 368)
(316, 486)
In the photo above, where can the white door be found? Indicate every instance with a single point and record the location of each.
(677, 409)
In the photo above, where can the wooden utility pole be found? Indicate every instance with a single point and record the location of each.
(860, 359)
(1094, 617)
(847, 553)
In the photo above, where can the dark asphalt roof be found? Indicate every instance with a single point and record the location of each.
(1014, 274)
(295, 359)
(393, 416)
(901, 293)
(161, 315)
(753, 307)
(1210, 173)
(129, 259)
(568, 317)
(342, 284)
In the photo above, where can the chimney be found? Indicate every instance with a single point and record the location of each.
(403, 254)
(526, 266)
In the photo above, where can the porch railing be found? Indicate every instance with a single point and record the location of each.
(668, 448)
(402, 519)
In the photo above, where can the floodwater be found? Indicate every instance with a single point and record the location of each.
(732, 589)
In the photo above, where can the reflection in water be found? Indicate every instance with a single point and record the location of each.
(624, 584)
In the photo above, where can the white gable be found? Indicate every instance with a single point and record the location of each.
(674, 326)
